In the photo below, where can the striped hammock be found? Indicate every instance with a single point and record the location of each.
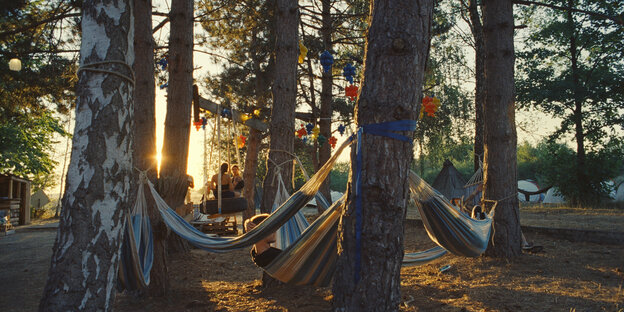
(137, 251)
(311, 258)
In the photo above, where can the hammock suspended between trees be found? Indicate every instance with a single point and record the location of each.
(137, 251)
(311, 258)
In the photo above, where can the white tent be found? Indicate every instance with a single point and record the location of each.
(553, 196)
(529, 186)
(619, 194)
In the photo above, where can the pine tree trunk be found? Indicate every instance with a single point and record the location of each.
(477, 33)
(173, 182)
(145, 135)
(249, 175)
(284, 94)
(283, 111)
(85, 259)
(396, 54)
(500, 173)
(327, 84)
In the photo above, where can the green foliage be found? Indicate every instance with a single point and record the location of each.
(27, 144)
(340, 177)
(552, 163)
(31, 97)
(549, 82)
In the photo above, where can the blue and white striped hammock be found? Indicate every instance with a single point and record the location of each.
(311, 258)
(137, 251)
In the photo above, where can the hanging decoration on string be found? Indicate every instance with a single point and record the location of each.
(332, 141)
(204, 122)
(241, 140)
(164, 85)
(315, 132)
(321, 140)
(15, 64)
(348, 72)
(326, 61)
(351, 92)
(303, 51)
(226, 113)
(309, 128)
(430, 105)
(197, 124)
(163, 63)
(301, 132)
(341, 129)
(256, 112)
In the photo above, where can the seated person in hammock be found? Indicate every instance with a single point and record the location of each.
(262, 253)
(237, 180)
(227, 188)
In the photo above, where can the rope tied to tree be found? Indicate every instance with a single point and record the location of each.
(90, 67)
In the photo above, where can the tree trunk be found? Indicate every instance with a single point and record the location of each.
(579, 134)
(284, 95)
(477, 33)
(173, 180)
(327, 84)
(500, 172)
(85, 260)
(249, 175)
(397, 49)
(145, 134)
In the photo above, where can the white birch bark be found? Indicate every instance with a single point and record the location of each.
(85, 259)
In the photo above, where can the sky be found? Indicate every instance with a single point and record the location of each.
(532, 126)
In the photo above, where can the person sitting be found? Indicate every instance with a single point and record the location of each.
(237, 180)
(262, 253)
(227, 188)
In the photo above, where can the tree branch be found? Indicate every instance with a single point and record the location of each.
(616, 19)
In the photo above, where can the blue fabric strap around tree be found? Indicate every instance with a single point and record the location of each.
(380, 129)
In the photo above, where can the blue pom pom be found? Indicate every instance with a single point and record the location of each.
(309, 128)
(341, 129)
(348, 72)
(326, 60)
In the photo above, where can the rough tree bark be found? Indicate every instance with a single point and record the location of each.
(284, 95)
(85, 260)
(477, 33)
(327, 83)
(396, 53)
(173, 183)
(579, 133)
(145, 135)
(500, 172)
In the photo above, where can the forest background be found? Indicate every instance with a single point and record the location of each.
(36, 103)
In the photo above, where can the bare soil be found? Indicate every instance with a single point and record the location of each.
(566, 276)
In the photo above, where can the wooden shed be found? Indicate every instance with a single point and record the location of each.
(15, 197)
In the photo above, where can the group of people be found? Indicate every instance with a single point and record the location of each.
(262, 253)
(231, 185)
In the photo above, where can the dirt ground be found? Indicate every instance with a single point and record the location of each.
(566, 276)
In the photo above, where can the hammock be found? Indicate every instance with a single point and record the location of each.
(271, 224)
(311, 258)
(137, 252)
(447, 226)
(293, 228)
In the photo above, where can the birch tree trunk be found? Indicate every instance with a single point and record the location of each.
(85, 259)
(500, 170)
(396, 54)
(173, 183)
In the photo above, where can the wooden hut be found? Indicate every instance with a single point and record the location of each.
(15, 198)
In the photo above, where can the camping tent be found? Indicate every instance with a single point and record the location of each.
(450, 183)
(529, 186)
(553, 196)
